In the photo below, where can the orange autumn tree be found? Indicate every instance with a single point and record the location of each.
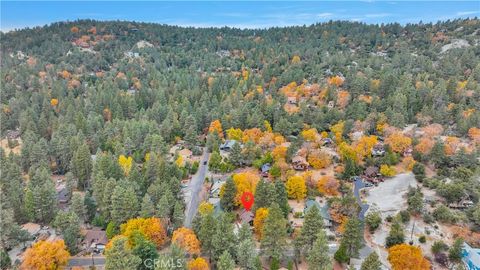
(343, 97)
(474, 134)
(335, 80)
(151, 228)
(451, 145)
(260, 216)
(319, 159)
(328, 185)
(425, 145)
(74, 29)
(405, 256)
(216, 126)
(186, 239)
(398, 142)
(245, 181)
(407, 163)
(296, 187)
(47, 255)
(198, 264)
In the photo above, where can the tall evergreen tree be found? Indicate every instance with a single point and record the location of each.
(226, 262)
(82, 165)
(312, 226)
(281, 197)
(372, 262)
(224, 239)
(236, 157)
(227, 201)
(318, 258)
(124, 203)
(352, 237)
(147, 208)
(274, 234)
(119, 256)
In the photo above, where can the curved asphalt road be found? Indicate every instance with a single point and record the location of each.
(195, 187)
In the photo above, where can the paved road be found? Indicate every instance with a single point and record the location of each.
(195, 187)
(86, 261)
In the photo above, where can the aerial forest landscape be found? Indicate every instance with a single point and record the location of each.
(240, 135)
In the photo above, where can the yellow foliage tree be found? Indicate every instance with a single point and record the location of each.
(253, 134)
(328, 185)
(186, 239)
(310, 134)
(268, 127)
(198, 264)
(46, 255)
(125, 163)
(216, 126)
(364, 146)
(296, 187)
(398, 142)
(405, 256)
(279, 152)
(337, 130)
(54, 102)
(388, 171)
(180, 162)
(296, 59)
(319, 159)
(152, 228)
(234, 134)
(347, 152)
(260, 216)
(245, 181)
(205, 208)
(408, 163)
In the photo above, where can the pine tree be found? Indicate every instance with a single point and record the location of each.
(163, 207)
(124, 203)
(236, 157)
(281, 197)
(82, 165)
(226, 262)
(246, 254)
(78, 206)
(318, 258)
(352, 237)
(264, 195)
(312, 226)
(207, 230)
(372, 262)
(274, 235)
(119, 256)
(227, 201)
(244, 233)
(178, 215)
(147, 209)
(396, 235)
(224, 239)
(144, 249)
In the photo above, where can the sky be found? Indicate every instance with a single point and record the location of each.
(239, 14)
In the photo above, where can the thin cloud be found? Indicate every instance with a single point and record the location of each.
(463, 13)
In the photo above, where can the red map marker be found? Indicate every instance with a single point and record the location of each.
(247, 200)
